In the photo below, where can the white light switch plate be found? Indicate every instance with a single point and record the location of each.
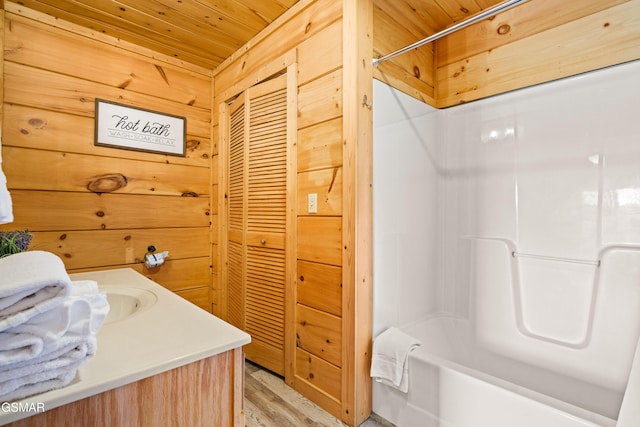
(312, 205)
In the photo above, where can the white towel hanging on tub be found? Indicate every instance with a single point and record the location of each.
(6, 211)
(390, 359)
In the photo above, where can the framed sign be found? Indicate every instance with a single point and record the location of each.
(131, 128)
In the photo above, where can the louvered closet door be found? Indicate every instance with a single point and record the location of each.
(264, 174)
(236, 215)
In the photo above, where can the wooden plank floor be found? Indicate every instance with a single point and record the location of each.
(270, 402)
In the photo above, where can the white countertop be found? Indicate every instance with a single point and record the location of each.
(171, 333)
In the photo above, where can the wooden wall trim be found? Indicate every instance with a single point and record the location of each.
(357, 205)
(223, 181)
(292, 230)
(214, 208)
(238, 388)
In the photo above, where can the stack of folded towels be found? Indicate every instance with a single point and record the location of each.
(48, 324)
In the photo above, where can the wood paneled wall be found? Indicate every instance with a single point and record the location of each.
(318, 367)
(325, 352)
(398, 24)
(413, 72)
(100, 207)
(536, 42)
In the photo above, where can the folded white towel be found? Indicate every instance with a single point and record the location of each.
(43, 333)
(43, 382)
(56, 365)
(389, 362)
(70, 355)
(47, 376)
(84, 288)
(48, 324)
(16, 347)
(74, 312)
(66, 345)
(31, 283)
(78, 318)
(88, 289)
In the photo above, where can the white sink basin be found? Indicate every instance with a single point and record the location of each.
(126, 301)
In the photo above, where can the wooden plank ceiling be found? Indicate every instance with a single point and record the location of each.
(206, 32)
(202, 32)
(426, 17)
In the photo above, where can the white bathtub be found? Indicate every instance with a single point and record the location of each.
(455, 383)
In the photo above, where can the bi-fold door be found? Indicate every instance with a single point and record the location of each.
(257, 219)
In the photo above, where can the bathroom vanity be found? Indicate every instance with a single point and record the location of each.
(160, 361)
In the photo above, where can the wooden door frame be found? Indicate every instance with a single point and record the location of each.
(357, 230)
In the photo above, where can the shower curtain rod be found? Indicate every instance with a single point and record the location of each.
(487, 13)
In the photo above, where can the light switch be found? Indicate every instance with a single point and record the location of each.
(312, 200)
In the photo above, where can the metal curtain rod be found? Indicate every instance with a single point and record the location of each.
(487, 13)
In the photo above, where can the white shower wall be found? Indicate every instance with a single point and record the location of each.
(405, 213)
(553, 169)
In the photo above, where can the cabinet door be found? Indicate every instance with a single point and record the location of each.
(257, 254)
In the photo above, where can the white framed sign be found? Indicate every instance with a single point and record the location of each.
(121, 126)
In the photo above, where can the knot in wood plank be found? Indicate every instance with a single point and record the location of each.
(37, 123)
(504, 29)
(107, 183)
(192, 144)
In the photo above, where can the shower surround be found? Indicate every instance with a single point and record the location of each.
(510, 227)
